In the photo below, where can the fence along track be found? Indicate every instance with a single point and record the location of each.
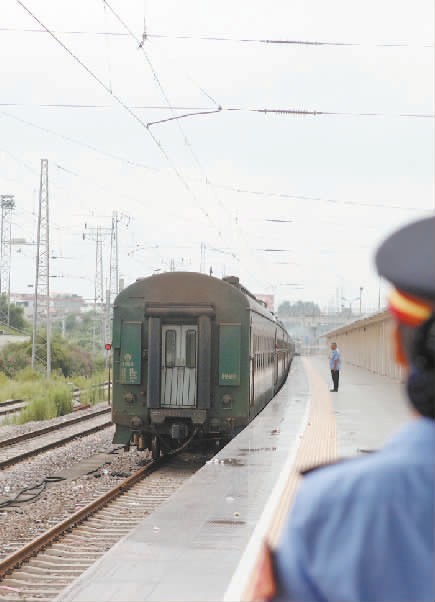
(69, 548)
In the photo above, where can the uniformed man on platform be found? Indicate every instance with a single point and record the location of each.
(363, 530)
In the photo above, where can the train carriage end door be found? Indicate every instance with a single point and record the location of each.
(179, 365)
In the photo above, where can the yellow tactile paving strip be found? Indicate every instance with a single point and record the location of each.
(318, 445)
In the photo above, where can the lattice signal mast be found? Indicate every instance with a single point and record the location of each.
(98, 235)
(7, 207)
(113, 287)
(113, 283)
(41, 303)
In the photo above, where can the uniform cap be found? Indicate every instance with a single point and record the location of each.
(407, 260)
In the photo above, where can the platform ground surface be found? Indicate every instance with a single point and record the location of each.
(192, 546)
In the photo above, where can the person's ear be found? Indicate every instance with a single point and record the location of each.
(399, 352)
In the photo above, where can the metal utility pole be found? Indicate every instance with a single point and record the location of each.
(113, 285)
(100, 299)
(203, 258)
(114, 259)
(7, 204)
(42, 278)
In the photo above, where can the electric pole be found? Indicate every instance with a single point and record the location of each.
(100, 298)
(7, 203)
(114, 258)
(203, 258)
(42, 278)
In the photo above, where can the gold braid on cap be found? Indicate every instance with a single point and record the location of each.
(407, 309)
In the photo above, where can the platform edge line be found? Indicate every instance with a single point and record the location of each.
(241, 575)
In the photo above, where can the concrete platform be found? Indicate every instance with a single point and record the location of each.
(368, 408)
(199, 543)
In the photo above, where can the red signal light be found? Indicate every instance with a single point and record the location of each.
(107, 346)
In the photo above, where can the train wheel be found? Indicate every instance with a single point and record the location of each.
(155, 448)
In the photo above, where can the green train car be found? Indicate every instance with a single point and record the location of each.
(194, 357)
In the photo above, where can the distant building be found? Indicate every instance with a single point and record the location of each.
(60, 304)
(25, 301)
(268, 300)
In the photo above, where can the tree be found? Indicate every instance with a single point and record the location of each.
(300, 308)
(284, 309)
(66, 359)
(16, 314)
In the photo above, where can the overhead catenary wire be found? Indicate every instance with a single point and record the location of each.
(223, 38)
(122, 104)
(164, 95)
(116, 98)
(203, 111)
(81, 143)
(219, 109)
(174, 116)
(169, 106)
(286, 195)
(287, 112)
(106, 39)
(229, 187)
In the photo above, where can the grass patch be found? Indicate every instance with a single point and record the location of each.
(48, 398)
(90, 390)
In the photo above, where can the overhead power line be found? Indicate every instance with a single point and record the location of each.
(81, 143)
(235, 189)
(140, 45)
(165, 98)
(240, 40)
(202, 111)
(117, 99)
(285, 195)
(287, 112)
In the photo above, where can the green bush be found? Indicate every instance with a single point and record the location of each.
(61, 396)
(90, 390)
(27, 375)
(39, 408)
(66, 358)
(47, 399)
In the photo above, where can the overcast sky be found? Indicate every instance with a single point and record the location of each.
(341, 181)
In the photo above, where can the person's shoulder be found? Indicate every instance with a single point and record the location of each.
(373, 476)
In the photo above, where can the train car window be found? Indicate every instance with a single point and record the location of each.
(191, 349)
(170, 348)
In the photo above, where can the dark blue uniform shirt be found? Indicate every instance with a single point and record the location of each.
(363, 530)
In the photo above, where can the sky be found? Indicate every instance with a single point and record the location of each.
(294, 204)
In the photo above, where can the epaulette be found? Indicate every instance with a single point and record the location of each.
(310, 469)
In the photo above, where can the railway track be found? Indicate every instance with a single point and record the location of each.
(17, 449)
(11, 406)
(54, 560)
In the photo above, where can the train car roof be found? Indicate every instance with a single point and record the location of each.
(227, 283)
